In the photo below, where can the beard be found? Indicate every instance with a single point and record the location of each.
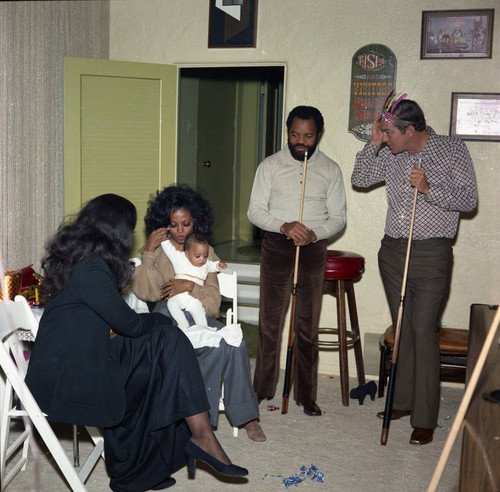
(298, 155)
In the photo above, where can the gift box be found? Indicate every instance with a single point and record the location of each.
(12, 281)
(29, 277)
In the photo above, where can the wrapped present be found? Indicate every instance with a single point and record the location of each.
(29, 277)
(12, 280)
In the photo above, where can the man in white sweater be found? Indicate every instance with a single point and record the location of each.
(275, 208)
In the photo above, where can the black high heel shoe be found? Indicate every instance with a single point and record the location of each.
(362, 390)
(194, 452)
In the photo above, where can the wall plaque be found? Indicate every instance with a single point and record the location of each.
(373, 77)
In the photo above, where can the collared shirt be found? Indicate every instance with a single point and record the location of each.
(449, 170)
(277, 191)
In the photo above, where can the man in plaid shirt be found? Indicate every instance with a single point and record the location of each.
(441, 169)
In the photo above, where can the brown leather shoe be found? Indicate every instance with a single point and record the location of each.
(421, 436)
(395, 414)
(310, 408)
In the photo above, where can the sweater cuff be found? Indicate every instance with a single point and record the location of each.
(148, 257)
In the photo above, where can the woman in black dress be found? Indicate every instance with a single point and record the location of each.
(98, 363)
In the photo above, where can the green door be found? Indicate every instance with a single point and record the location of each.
(119, 132)
(216, 157)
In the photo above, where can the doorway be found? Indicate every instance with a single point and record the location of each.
(229, 120)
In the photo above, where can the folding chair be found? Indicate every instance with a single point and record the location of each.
(16, 317)
(228, 286)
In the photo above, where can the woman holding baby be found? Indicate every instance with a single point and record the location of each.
(172, 214)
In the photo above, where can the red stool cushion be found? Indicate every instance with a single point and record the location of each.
(343, 265)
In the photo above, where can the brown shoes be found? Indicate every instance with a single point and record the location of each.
(395, 414)
(421, 436)
(254, 431)
(310, 408)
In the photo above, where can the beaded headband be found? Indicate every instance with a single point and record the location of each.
(390, 105)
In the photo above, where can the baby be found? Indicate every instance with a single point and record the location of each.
(191, 264)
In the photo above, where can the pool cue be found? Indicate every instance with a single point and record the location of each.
(390, 385)
(464, 405)
(287, 384)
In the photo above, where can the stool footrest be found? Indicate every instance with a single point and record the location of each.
(352, 338)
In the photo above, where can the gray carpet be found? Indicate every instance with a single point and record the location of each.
(344, 444)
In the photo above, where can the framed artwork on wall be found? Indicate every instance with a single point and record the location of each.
(475, 116)
(232, 24)
(457, 34)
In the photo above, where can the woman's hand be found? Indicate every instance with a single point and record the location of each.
(174, 287)
(156, 238)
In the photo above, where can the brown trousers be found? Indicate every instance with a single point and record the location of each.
(416, 386)
(276, 283)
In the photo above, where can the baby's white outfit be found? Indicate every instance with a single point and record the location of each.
(184, 269)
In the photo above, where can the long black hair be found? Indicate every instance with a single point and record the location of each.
(173, 198)
(103, 228)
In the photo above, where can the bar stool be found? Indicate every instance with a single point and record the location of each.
(342, 269)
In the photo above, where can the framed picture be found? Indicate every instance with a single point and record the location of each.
(457, 34)
(232, 24)
(475, 116)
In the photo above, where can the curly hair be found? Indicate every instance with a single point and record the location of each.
(306, 113)
(103, 228)
(177, 197)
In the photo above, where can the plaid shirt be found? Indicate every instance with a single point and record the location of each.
(449, 170)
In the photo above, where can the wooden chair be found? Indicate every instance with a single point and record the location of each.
(453, 345)
(17, 402)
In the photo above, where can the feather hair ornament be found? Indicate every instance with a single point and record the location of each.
(390, 105)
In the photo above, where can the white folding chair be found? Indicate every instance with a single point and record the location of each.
(16, 317)
(228, 286)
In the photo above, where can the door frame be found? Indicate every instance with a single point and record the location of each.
(254, 65)
(238, 65)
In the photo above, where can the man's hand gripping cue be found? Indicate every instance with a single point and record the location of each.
(298, 233)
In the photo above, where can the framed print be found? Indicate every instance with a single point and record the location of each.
(232, 24)
(457, 34)
(475, 116)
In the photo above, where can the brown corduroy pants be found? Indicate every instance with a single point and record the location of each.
(276, 282)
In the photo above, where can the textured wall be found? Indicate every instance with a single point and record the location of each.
(34, 38)
(316, 39)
